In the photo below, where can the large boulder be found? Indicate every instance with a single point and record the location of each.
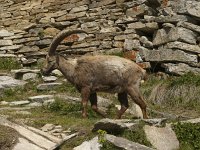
(162, 138)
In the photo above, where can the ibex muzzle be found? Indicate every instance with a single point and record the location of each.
(91, 74)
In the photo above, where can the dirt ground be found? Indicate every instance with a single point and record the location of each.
(8, 138)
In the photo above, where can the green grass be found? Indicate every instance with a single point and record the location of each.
(187, 79)
(9, 63)
(136, 134)
(188, 134)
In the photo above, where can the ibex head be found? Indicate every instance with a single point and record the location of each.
(51, 64)
(51, 58)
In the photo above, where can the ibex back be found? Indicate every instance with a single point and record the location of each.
(91, 74)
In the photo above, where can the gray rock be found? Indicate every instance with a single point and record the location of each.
(180, 68)
(40, 98)
(162, 138)
(48, 127)
(18, 73)
(9, 82)
(6, 42)
(23, 144)
(160, 37)
(93, 144)
(125, 144)
(137, 11)
(79, 9)
(16, 103)
(13, 47)
(30, 135)
(146, 27)
(192, 8)
(5, 33)
(113, 126)
(131, 44)
(182, 34)
(163, 36)
(8, 56)
(34, 104)
(49, 78)
(170, 55)
(190, 26)
(171, 19)
(183, 46)
(146, 42)
(48, 86)
(29, 76)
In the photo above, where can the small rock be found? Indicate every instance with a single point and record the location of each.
(59, 130)
(29, 76)
(48, 127)
(15, 103)
(40, 98)
(5, 33)
(48, 86)
(49, 78)
(4, 103)
(89, 145)
(125, 144)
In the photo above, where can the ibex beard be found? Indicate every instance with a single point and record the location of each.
(100, 73)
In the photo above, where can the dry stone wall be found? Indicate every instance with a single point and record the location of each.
(160, 34)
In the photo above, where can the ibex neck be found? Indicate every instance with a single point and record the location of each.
(67, 67)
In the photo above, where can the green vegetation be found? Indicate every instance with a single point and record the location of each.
(136, 134)
(9, 63)
(187, 79)
(8, 137)
(188, 134)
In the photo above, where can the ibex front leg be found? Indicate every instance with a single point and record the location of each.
(85, 94)
(123, 99)
(93, 101)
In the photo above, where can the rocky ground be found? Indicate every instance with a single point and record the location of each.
(45, 113)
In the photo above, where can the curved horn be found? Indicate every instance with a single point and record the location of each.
(59, 37)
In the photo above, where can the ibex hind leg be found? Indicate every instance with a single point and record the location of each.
(93, 101)
(85, 93)
(123, 99)
(138, 99)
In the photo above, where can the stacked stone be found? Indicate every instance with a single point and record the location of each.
(161, 32)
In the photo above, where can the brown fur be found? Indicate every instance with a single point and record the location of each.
(91, 74)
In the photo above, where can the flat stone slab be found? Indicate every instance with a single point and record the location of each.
(125, 144)
(35, 139)
(23, 144)
(40, 98)
(16, 103)
(162, 138)
(49, 78)
(9, 82)
(48, 86)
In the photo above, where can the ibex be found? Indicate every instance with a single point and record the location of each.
(101, 73)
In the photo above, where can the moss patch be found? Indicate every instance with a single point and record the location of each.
(8, 138)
